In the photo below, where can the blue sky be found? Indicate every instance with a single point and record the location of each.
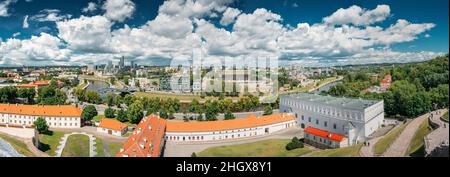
(422, 34)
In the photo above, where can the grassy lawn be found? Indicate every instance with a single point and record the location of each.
(82, 85)
(18, 145)
(445, 117)
(76, 146)
(264, 148)
(114, 148)
(417, 142)
(383, 144)
(99, 148)
(49, 142)
(351, 151)
(97, 118)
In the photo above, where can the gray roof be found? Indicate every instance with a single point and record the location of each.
(350, 103)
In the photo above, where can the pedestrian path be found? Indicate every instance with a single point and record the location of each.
(401, 144)
(63, 141)
(439, 136)
(367, 151)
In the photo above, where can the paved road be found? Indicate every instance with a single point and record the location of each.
(184, 149)
(401, 144)
(438, 136)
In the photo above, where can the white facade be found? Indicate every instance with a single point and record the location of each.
(111, 131)
(324, 142)
(354, 118)
(228, 134)
(28, 120)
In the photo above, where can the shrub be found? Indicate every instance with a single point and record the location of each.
(294, 144)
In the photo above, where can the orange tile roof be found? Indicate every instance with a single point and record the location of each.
(146, 139)
(324, 134)
(112, 124)
(250, 121)
(35, 84)
(39, 110)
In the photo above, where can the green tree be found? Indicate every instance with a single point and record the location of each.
(268, 110)
(41, 125)
(109, 112)
(211, 110)
(135, 112)
(8, 95)
(110, 99)
(118, 100)
(28, 93)
(228, 115)
(92, 96)
(122, 115)
(89, 112)
(51, 96)
(294, 144)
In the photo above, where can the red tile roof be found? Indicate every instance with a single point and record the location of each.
(112, 124)
(146, 139)
(324, 134)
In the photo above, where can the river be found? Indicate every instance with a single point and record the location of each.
(101, 87)
(326, 87)
(6, 150)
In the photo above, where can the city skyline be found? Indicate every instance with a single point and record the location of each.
(152, 33)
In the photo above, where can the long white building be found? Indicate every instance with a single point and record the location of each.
(18, 115)
(355, 119)
(251, 126)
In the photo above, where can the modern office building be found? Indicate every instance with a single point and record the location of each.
(122, 63)
(60, 116)
(354, 119)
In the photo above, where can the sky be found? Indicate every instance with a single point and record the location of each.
(154, 32)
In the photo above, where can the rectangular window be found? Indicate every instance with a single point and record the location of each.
(334, 126)
(325, 123)
(317, 121)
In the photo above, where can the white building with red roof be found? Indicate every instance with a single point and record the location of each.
(326, 117)
(112, 127)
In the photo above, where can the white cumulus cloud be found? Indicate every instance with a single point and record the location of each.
(90, 8)
(119, 10)
(358, 16)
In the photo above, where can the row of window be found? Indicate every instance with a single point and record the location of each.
(325, 123)
(324, 110)
(35, 117)
(320, 139)
(30, 123)
(200, 138)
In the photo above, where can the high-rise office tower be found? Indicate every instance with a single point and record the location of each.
(122, 63)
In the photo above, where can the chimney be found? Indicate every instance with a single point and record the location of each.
(141, 144)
